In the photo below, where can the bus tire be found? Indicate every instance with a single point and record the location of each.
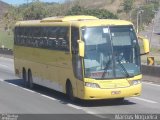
(24, 77)
(30, 80)
(69, 92)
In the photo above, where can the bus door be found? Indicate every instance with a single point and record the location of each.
(76, 61)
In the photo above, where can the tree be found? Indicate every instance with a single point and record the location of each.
(76, 10)
(100, 13)
(36, 10)
(127, 5)
(10, 17)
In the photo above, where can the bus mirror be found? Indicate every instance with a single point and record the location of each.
(81, 48)
(145, 45)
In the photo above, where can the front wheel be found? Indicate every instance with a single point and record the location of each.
(69, 92)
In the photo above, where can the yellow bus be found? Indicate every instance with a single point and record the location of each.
(82, 56)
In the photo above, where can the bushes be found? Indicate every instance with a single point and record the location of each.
(100, 13)
(127, 5)
(35, 11)
(147, 15)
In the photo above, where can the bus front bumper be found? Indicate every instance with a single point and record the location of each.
(97, 93)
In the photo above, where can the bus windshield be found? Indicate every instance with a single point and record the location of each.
(111, 52)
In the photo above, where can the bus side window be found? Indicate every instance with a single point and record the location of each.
(22, 36)
(63, 38)
(74, 37)
(44, 36)
(52, 37)
(58, 38)
(16, 35)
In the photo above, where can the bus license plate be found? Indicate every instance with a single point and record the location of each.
(115, 92)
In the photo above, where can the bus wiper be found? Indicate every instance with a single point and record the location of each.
(124, 69)
(106, 67)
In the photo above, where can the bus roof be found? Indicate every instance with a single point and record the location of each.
(79, 21)
(69, 18)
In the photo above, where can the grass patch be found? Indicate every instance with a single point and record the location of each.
(6, 39)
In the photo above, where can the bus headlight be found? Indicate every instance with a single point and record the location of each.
(135, 82)
(93, 85)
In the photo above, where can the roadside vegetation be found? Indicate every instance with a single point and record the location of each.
(113, 9)
(6, 39)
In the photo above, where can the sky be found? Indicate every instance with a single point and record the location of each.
(18, 2)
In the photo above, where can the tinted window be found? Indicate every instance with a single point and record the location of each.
(74, 38)
(43, 37)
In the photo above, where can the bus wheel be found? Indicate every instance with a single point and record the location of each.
(24, 78)
(30, 80)
(69, 92)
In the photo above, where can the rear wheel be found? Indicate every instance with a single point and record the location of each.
(24, 75)
(30, 80)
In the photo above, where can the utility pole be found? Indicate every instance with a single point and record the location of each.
(138, 16)
(153, 27)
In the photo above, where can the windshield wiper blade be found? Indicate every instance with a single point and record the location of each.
(124, 70)
(106, 67)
